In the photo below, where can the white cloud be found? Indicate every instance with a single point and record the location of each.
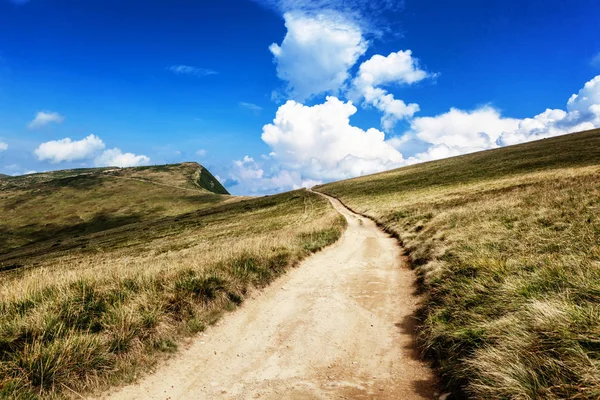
(393, 109)
(586, 100)
(324, 40)
(3, 147)
(251, 178)
(247, 169)
(317, 52)
(116, 158)
(458, 132)
(57, 151)
(437, 152)
(251, 106)
(308, 183)
(320, 143)
(397, 68)
(189, 70)
(43, 118)
(366, 13)
(583, 112)
(201, 153)
(475, 130)
(311, 144)
(595, 62)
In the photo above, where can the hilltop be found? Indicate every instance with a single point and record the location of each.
(188, 175)
(42, 211)
(506, 243)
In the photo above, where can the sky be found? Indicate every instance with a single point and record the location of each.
(273, 95)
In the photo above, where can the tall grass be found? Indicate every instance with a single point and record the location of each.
(507, 247)
(84, 320)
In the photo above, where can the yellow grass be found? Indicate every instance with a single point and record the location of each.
(78, 319)
(507, 247)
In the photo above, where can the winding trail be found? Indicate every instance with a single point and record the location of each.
(339, 326)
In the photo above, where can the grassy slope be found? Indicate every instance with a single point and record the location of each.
(507, 244)
(42, 211)
(110, 295)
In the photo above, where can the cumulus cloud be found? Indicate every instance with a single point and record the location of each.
(317, 52)
(57, 151)
(249, 177)
(324, 40)
(189, 70)
(88, 148)
(247, 169)
(400, 67)
(116, 158)
(311, 144)
(458, 132)
(201, 152)
(582, 113)
(395, 69)
(393, 109)
(368, 14)
(3, 147)
(43, 118)
(478, 129)
(320, 142)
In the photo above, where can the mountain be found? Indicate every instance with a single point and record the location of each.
(39, 207)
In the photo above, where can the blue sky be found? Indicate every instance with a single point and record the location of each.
(276, 94)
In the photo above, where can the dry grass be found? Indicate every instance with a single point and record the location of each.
(49, 207)
(80, 319)
(49, 214)
(507, 247)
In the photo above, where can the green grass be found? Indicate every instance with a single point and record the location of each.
(506, 244)
(91, 302)
(44, 210)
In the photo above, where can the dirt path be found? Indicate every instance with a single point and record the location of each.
(338, 327)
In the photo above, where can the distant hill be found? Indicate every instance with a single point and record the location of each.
(3, 176)
(189, 175)
(55, 204)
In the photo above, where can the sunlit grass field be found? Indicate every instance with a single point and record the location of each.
(86, 306)
(507, 247)
(48, 207)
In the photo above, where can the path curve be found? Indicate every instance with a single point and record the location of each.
(340, 326)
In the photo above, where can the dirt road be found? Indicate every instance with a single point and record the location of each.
(337, 327)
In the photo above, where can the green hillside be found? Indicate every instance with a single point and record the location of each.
(103, 271)
(41, 210)
(506, 244)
